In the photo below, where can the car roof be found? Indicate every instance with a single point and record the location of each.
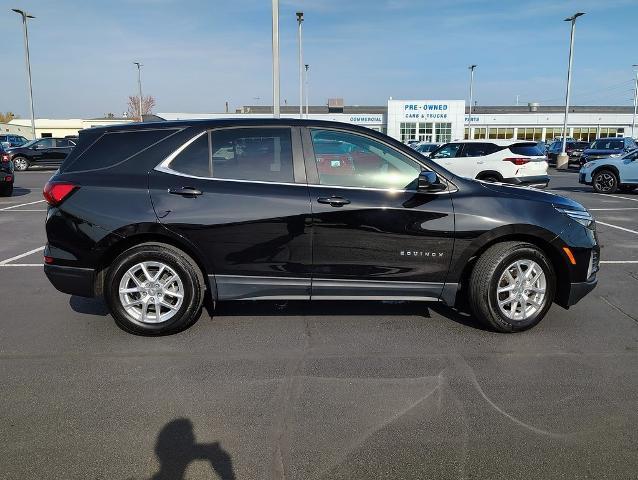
(500, 143)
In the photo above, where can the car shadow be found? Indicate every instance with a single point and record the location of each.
(90, 306)
(176, 448)
(20, 192)
(342, 307)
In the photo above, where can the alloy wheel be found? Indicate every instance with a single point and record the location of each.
(20, 164)
(604, 182)
(151, 292)
(521, 290)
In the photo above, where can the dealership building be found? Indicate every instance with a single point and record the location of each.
(446, 120)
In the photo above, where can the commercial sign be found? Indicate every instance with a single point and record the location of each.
(426, 110)
(366, 119)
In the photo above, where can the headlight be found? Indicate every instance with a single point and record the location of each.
(581, 216)
(615, 155)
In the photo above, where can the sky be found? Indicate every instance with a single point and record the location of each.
(198, 54)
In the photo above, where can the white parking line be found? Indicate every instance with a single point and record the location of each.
(21, 205)
(594, 209)
(17, 257)
(618, 261)
(23, 210)
(615, 196)
(616, 226)
(22, 265)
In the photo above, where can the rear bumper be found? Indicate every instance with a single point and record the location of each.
(578, 290)
(72, 280)
(538, 181)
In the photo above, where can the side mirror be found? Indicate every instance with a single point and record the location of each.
(429, 182)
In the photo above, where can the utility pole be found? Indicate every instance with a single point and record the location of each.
(562, 161)
(307, 68)
(139, 85)
(633, 120)
(469, 120)
(299, 21)
(275, 59)
(25, 30)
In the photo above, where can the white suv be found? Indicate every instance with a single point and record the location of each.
(518, 162)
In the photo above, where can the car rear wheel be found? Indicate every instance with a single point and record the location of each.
(154, 289)
(20, 164)
(511, 286)
(605, 181)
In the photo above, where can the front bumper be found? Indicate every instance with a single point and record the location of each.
(72, 280)
(582, 178)
(537, 181)
(578, 290)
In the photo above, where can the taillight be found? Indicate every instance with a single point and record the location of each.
(517, 161)
(4, 158)
(56, 192)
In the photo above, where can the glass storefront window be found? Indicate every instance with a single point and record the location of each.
(443, 132)
(407, 131)
(585, 134)
(480, 133)
(553, 132)
(501, 133)
(529, 133)
(606, 132)
(425, 132)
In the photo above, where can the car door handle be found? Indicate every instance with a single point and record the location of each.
(334, 201)
(185, 191)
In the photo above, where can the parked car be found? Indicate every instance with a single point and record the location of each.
(573, 148)
(426, 148)
(607, 175)
(9, 140)
(510, 161)
(412, 143)
(608, 147)
(6, 174)
(150, 217)
(43, 152)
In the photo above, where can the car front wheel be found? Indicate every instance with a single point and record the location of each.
(154, 289)
(512, 286)
(20, 164)
(605, 181)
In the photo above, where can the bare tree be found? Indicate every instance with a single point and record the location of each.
(133, 108)
(7, 117)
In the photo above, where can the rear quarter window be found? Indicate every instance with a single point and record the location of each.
(112, 148)
(527, 149)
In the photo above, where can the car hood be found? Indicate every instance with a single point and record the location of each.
(618, 161)
(532, 194)
(591, 151)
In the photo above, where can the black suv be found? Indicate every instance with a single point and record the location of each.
(573, 148)
(6, 174)
(156, 217)
(43, 152)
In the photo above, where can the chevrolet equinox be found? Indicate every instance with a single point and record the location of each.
(157, 217)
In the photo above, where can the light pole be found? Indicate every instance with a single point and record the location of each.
(299, 21)
(469, 119)
(275, 58)
(562, 160)
(307, 69)
(139, 85)
(633, 120)
(24, 16)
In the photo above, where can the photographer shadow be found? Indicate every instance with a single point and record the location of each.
(176, 449)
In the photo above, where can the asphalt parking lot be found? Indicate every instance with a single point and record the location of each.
(329, 390)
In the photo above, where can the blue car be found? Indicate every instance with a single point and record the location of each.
(608, 175)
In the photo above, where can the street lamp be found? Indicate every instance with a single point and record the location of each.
(633, 120)
(299, 21)
(275, 58)
(24, 16)
(307, 69)
(562, 160)
(469, 120)
(139, 85)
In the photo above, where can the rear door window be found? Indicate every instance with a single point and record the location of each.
(479, 149)
(526, 149)
(255, 154)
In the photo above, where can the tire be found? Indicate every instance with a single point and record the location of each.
(20, 164)
(6, 190)
(627, 188)
(489, 274)
(135, 311)
(490, 178)
(605, 181)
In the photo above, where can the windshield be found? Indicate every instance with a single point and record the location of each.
(607, 144)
